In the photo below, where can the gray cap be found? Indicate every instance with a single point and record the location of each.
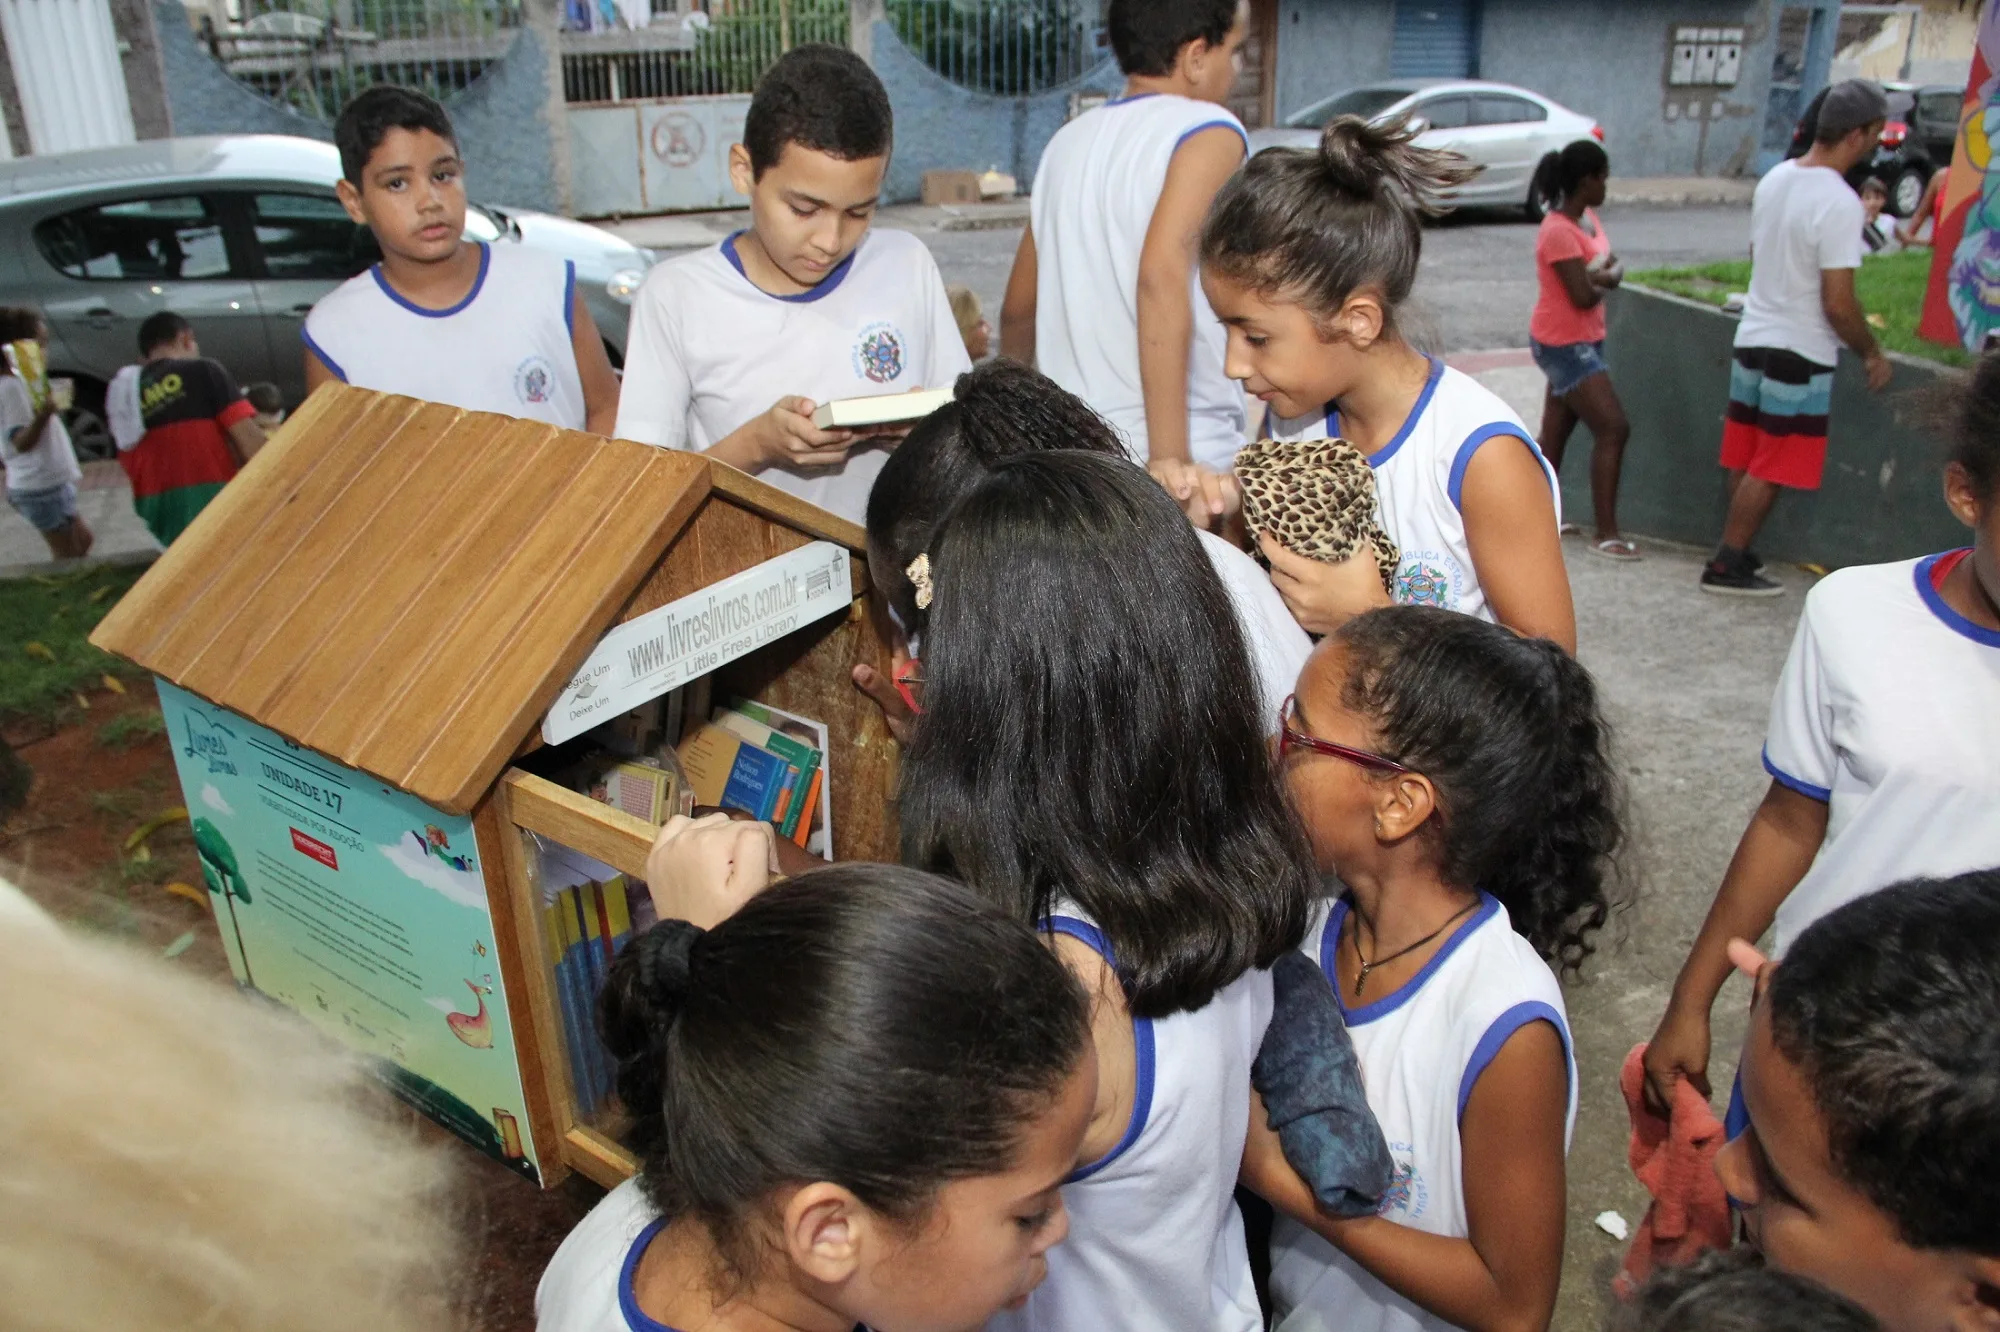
(1849, 106)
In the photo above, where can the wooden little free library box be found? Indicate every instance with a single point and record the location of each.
(385, 651)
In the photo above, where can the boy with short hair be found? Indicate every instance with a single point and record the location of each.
(734, 347)
(1104, 297)
(1872, 1079)
(199, 428)
(1805, 247)
(491, 328)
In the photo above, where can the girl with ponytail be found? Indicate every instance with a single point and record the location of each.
(853, 1101)
(1574, 267)
(1306, 257)
(1455, 776)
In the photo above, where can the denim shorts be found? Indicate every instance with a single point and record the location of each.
(49, 510)
(1569, 364)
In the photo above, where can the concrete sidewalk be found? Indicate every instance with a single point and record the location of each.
(104, 501)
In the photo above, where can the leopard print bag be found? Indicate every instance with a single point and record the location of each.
(1316, 497)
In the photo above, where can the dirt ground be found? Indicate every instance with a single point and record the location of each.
(102, 773)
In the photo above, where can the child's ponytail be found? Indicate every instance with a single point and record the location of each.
(1320, 224)
(781, 1047)
(1509, 732)
(1563, 170)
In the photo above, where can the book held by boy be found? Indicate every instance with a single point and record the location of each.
(882, 409)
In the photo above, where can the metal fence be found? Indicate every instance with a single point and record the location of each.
(1003, 46)
(312, 55)
(717, 46)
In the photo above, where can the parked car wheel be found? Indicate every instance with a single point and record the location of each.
(1907, 190)
(89, 435)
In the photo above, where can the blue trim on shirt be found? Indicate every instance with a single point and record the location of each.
(1380, 458)
(1329, 961)
(1941, 608)
(1497, 1035)
(1241, 133)
(628, 1298)
(1799, 784)
(1142, 1044)
(1127, 101)
(1455, 483)
(824, 289)
(569, 297)
(320, 352)
(485, 262)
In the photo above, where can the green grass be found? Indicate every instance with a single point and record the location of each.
(1890, 285)
(57, 611)
(129, 728)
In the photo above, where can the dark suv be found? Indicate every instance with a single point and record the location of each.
(1917, 141)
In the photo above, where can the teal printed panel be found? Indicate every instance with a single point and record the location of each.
(360, 907)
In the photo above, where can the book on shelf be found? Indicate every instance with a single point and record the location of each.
(729, 772)
(801, 758)
(815, 828)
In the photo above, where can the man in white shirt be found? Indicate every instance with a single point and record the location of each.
(734, 347)
(1805, 247)
(1104, 297)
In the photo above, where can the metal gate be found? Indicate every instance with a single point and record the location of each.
(64, 55)
(654, 157)
(1436, 39)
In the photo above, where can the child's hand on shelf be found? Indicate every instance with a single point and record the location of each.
(703, 870)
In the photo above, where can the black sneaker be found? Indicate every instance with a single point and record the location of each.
(1741, 581)
(1753, 561)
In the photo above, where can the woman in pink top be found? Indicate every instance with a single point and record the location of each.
(1575, 267)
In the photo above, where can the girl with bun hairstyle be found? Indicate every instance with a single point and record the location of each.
(1306, 258)
(811, 1155)
(1456, 776)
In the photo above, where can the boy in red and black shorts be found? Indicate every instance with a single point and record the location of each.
(199, 428)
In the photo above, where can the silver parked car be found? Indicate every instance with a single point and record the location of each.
(1505, 129)
(238, 233)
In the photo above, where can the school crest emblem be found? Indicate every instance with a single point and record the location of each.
(534, 380)
(1429, 578)
(878, 357)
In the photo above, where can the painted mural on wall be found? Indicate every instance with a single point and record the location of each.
(1962, 303)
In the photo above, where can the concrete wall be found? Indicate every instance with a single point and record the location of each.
(1670, 358)
(1609, 60)
(942, 126)
(1325, 46)
(502, 122)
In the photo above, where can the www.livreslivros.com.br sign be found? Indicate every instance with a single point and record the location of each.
(665, 648)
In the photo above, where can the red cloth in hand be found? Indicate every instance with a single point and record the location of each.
(1675, 1159)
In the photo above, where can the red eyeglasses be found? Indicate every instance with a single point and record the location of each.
(1290, 737)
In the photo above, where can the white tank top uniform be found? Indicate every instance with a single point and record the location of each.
(710, 350)
(1278, 646)
(1095, 191)
(1419, 479)
(1422, 1049)
(587, 1286)
(1155, 1240)
(506, 348)
(1888, 711)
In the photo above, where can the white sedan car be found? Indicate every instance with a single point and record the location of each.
(1504, 129)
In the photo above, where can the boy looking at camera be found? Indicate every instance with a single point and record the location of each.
(490, 328)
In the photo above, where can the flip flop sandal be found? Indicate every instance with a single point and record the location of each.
(1615, 548)
(1569, 529)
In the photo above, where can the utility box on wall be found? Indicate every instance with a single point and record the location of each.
(1704, 57)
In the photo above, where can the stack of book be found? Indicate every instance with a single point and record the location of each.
(768, 763)
(584, 924)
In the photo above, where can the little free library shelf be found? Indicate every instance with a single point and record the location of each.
(373, 650)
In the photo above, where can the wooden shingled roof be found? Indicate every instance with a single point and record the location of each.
(404, 586)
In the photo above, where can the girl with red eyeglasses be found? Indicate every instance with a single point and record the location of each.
(1455, 776)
